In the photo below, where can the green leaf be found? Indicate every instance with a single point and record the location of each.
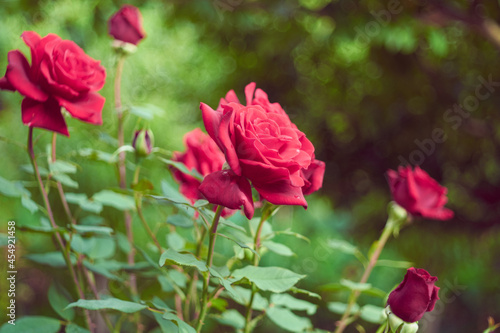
(29, 204)
(116, 200)
(373, 314)
(81, 200)
(340, 308)
(225, 283)
(92, 229)
(59, 298)
(240, 243)
(294, 234)
(336, 287)
(259, 303)
(110, 303)
(166, 326)
(278, 248)
(32, 324)
(98, 155)
(288, 320)
(103, 248)
(180, 220)
(306, 292)
(182, 168)
(293, 303)
(62, 167)
(183, 327)
(200, 203)
(65, 180)
(342, 246)
(175, 241)
(101, 269)
(394, 263)
(74, 328)
(54, 259)
(9, 188)
(355, 285)
(231, 318)
(275, 279)
(172, 194)
(184, 259)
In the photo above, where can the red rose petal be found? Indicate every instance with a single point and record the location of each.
(44, 115)
(19, 76)
(229, 190)
(87, 108)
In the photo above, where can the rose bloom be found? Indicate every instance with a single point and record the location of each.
(203, 155)
(60, 75)
(414, 296)
(263, 146)
(418, 193)
(126, 25)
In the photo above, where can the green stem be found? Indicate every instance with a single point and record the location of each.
(211, 243)
(64, 250)
(190, 291)
(256, 246)
(386, 233)
(122, 171)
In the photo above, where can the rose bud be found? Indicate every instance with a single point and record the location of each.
(418, 193)
(126, 25)
(143, 142)
(414, 296)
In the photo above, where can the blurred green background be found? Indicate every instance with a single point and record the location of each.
(367, 81)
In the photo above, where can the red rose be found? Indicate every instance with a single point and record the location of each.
(60, 75)
(126, 25)
(414, 296)
(262, 145)
(203, 155)
(418, 193)
(313, 176)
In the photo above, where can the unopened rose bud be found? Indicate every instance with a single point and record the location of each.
(143, 142)
(126, 27)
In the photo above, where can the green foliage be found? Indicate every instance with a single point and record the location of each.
(110, 303)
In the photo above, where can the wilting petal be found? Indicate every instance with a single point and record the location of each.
(227, 189)
(44, 115)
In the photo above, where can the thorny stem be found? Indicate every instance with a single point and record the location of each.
(386, 233)
(211, 243)
(64, 250)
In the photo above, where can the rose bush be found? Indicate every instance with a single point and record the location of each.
(414, 296)
(262, 145)
(60, 75)
(418, 193)
(126, 25)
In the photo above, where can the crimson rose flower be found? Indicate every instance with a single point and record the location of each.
(126, 25)
(263, 146)
(201, 154)
(418, 193)
(60, 75)
(204, 156)
(414, 296)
